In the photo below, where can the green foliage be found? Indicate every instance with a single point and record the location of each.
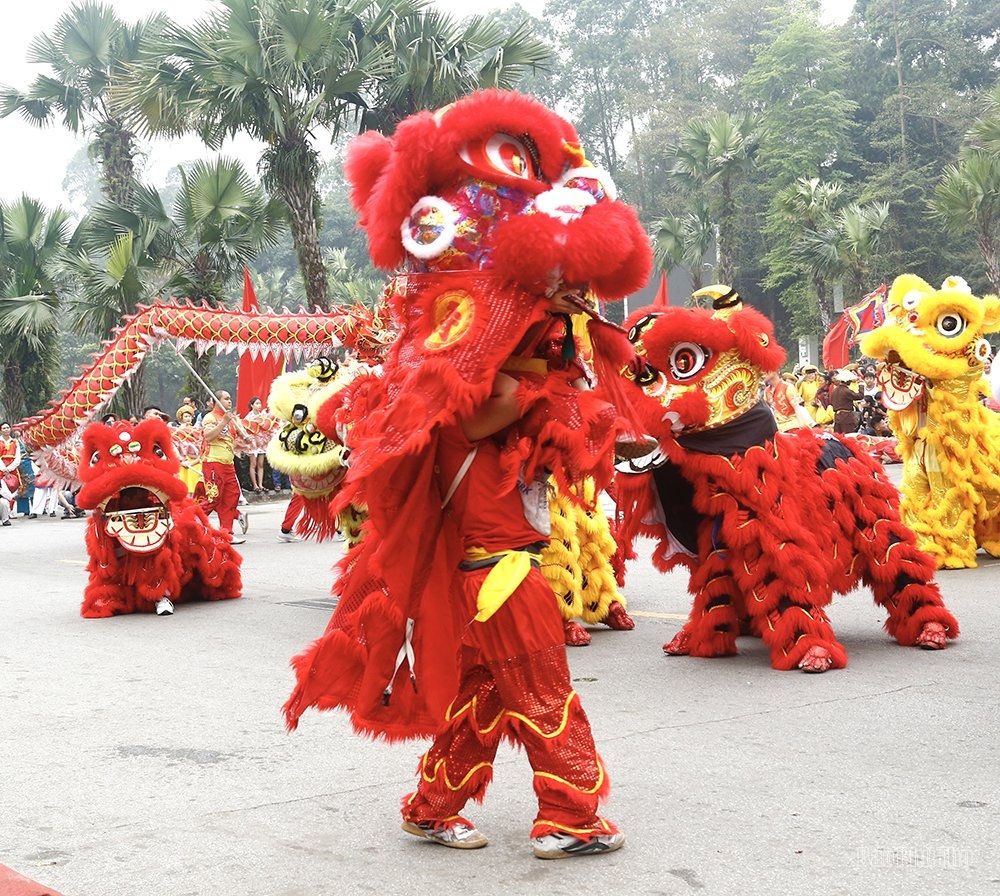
(709, 116)
(30, 238)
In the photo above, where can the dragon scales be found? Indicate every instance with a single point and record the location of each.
(294, 335)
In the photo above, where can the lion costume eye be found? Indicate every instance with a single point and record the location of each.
(911, 299)
(639, 327)
(687, 359)
(159, 452)
(951, 324)
(500, 153)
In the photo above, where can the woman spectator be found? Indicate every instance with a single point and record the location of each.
(256, 424)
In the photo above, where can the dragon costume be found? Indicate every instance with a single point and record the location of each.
(770, 524)
(932, 349)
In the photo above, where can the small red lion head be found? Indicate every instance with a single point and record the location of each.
(129, 474)
(495, 181)
(700, 368)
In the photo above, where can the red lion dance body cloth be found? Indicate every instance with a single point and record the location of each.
(147, 540)
(487, 209)
(771, 524)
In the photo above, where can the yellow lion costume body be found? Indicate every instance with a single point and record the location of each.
(933, 348)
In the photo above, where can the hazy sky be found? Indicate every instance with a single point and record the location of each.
(34, 160)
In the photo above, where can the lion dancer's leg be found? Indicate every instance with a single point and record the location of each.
(458, 767)
(786, 608)
(713, 623)
(544, 714)
(938, 512)
(518, 686)
(901, 578)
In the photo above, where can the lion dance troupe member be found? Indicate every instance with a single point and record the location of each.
(445, 626)
(222, 488)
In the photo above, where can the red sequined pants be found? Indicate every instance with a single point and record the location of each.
(515, 683)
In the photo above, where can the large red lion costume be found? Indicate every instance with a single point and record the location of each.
(484, 209)
(770, 524)
(146, 538)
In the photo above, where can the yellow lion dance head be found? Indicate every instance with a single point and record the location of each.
(930, 335)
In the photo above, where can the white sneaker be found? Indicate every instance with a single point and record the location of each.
(236, 539)
(561, 845)
(458, 834)
(244, 520)
(164, 607)
(290, 537)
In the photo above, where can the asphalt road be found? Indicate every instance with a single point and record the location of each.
(145, 756)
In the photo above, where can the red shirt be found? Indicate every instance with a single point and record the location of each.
(486, 519)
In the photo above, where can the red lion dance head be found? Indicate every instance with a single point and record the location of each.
(485, 208)
(146, 540)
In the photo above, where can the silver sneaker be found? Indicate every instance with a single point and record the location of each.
(290, 537)
(164, 607)
(561, 845)
(458, 834)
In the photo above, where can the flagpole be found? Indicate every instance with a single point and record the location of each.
(236, 420)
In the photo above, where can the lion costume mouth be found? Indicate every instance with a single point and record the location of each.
(900, 386)
(138, 518)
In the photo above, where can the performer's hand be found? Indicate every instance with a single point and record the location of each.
(567, 300)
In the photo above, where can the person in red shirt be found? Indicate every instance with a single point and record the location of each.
(514, 679)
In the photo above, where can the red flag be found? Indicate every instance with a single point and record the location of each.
(255, 375)
(868, 314)
(662, 300)
(835, 354)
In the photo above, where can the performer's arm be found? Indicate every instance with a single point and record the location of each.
(496, 413)
(212, 431)
(502, 408)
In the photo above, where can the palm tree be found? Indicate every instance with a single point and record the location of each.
(684, 240)
(435, 60)
(128, 255)
(277, 70)
(860, 228)
(830, 244)
(88, 54)
(985, 132)
(30, 237)
(711, 155)
(281, 70)
(967, 200)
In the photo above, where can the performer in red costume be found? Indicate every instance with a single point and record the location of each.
(445, 627)
(513, 660)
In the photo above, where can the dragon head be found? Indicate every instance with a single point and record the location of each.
(930, 335)
(700, 368)
(495, 181)
(129, 475)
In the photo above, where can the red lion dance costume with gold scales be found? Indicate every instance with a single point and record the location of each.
(486, 208)
(770, 524)
(146, 538)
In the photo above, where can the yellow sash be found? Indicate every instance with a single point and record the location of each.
(508, 572)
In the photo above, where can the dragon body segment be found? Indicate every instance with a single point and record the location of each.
(295, 335)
